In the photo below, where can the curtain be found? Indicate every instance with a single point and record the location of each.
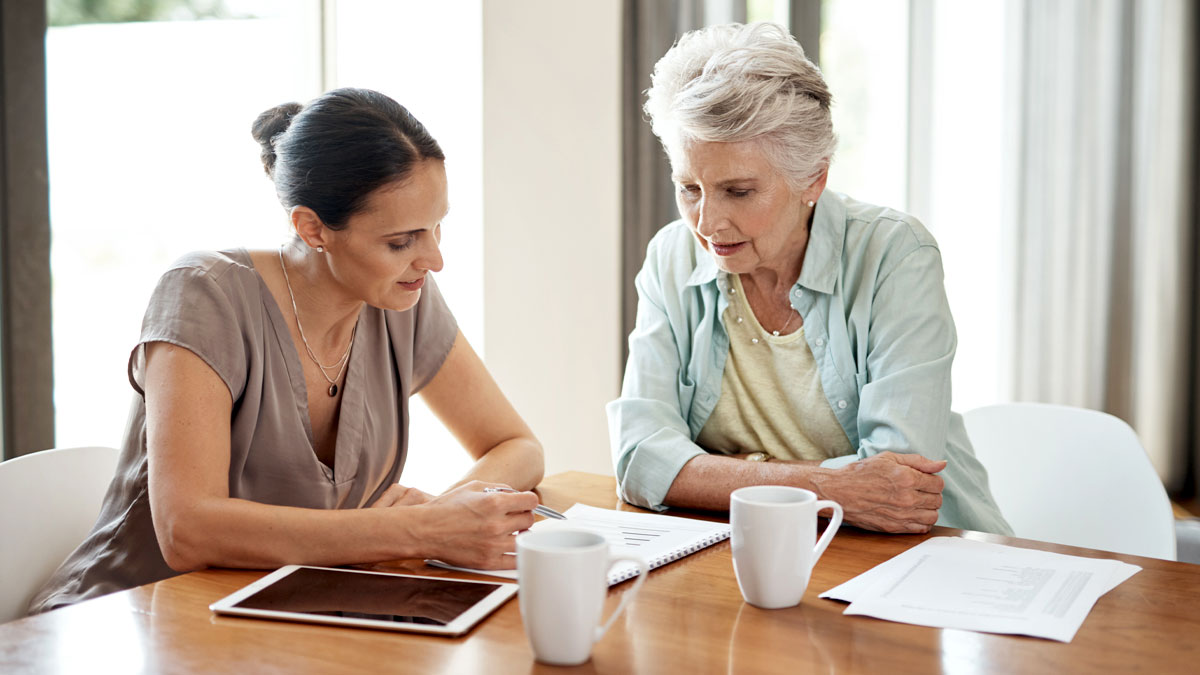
(648, 198)
(26, 357)
(1102, 248)
(1191, 487)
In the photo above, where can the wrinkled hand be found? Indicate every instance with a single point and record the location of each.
(399, 495)
(888, 492)
(473, 528)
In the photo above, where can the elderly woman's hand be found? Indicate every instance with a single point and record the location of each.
(888, 492)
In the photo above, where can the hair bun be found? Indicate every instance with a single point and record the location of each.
(270, 124)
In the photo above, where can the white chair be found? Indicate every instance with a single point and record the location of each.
(1073, 476)
(49, 501)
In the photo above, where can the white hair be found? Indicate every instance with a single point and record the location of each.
(739, 82)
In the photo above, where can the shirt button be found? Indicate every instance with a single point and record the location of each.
(797, 292)
(842, 405)
(820, 342)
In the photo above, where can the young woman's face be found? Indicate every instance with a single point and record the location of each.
(386, 250)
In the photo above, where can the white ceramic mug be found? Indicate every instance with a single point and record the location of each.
(774, 530)
(563, 577)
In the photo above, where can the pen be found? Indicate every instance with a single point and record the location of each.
(541, 510)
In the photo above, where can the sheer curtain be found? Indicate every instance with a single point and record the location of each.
(1099, 212)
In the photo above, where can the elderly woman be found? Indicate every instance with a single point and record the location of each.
(785, 334)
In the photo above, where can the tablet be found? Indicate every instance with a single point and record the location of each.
(347, 597)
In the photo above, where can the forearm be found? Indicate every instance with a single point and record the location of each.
(517, 462)
(224, 532)
(706, 481)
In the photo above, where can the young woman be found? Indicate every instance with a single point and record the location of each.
(270, 422)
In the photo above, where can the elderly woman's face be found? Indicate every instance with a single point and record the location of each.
(740, 207)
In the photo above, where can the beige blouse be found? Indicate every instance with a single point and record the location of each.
(771, 395)
(217, 306)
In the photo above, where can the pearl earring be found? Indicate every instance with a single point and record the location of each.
(320, 249)
(811, 204)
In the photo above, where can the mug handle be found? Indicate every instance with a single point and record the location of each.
(834, 523)
(643, 570)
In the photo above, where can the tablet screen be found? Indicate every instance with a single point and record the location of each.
(373, 596)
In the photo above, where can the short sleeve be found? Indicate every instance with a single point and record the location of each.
(434, 331)
(191, 308)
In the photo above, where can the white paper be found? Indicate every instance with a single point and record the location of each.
(949, 582)
(656, 538)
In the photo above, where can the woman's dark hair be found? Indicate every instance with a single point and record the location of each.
(331, 154)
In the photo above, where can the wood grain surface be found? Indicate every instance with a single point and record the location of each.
(689, 618)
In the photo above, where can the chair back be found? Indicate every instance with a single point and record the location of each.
(1073, 476)
(49, 501)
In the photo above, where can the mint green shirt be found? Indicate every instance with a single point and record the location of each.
(876, 319)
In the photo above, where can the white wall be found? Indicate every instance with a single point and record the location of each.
(429, 57)
(551, 210)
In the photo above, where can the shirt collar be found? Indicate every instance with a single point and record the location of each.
(822, 258)
(706, 269)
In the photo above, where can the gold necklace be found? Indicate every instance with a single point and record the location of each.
(789, 322)
(341, 363)
(732, 290)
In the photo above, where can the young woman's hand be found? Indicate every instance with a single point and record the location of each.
(469, 527)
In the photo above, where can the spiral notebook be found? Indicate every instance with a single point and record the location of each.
(655, 538)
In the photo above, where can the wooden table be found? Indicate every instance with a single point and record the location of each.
(689, 618)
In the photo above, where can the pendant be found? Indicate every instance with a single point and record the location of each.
(333, 390)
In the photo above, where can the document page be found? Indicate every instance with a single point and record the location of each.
(658, 539)
(948, 582)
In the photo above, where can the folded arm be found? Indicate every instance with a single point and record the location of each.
(658, 464)
(888, 492)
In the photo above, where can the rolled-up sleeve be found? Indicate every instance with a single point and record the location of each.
(647, 425)
(904, 403)
(905, 394)
(839, 462)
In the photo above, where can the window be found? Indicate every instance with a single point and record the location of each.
(965, 159)
(864, 58)
(151, 157)
(919, 107)
(150, 106)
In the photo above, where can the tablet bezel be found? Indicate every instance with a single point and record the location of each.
(227, 606)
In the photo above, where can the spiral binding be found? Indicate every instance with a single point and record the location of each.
(625, 574)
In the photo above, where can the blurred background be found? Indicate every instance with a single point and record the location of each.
(1049, 146)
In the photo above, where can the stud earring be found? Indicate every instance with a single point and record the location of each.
(811, 204)
(320, 249)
